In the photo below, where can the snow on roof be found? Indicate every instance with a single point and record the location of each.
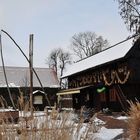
(103, 57)
(36, 91)
(19, 77)
(9, 84)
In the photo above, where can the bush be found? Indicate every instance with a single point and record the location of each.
(134, 121)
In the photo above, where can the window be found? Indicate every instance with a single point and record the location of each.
(38, 99)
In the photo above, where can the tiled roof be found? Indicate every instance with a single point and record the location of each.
(19, 77)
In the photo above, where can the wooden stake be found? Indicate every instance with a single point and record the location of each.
(31, 72)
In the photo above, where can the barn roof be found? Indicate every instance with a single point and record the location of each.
(98, 59)
(19, 77)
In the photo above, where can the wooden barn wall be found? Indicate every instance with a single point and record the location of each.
(134, 64)
(51, 93)
(124, 73)
(129, 85)
(131, 91)
(132, 87)
(115, 73)
(6, 99)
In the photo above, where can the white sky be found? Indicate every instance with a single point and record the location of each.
(53, 23)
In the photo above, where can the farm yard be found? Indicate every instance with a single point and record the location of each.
(81, 82)
(66, 125)
(98, 98)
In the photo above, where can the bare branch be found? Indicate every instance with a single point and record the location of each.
(58, 60)
(87, 43)
(129, 11)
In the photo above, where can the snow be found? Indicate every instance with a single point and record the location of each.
(107, 134)
(6, 109)
(36, 91)
(19, 77)
(103, 57)
(55, 86)
(10, 85)
(101, 132)
(98, 121)
(122, 118)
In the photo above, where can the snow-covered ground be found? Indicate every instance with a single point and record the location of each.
(92, 131)
(102, 133)
(107, 134)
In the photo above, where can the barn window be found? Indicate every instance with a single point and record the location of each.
(38, 99)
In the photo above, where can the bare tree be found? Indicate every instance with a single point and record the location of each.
(129, 11)
(64, 59)
(52, 60)
(85, 44)
(58, 60)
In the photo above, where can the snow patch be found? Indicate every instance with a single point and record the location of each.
(122, 118)
(107, 134)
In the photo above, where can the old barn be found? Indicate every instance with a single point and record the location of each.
(105, 80)
(18, 82)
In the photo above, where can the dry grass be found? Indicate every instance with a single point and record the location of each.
(47, 126)
(134, 121)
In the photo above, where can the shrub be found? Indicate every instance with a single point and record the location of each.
(134, 121)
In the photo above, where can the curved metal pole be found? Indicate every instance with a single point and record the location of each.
(3, 66)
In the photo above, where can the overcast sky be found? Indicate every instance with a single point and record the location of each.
(53, 23)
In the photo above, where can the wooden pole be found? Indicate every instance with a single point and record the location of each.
(31, 72)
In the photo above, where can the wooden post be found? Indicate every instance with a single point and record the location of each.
(31, 72)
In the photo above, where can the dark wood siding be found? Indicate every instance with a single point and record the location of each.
(124, 73)
(50, 92)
